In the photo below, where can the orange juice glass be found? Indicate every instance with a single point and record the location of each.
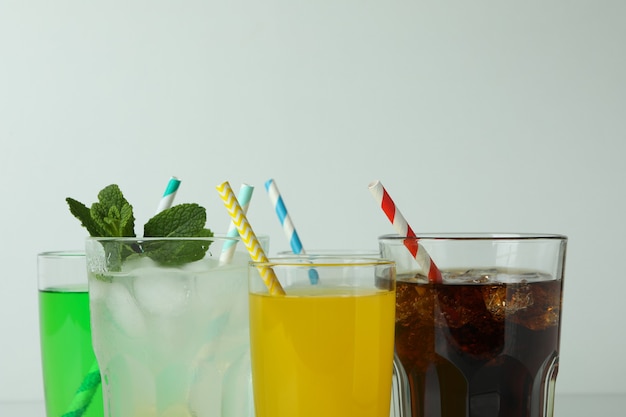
(323, 349)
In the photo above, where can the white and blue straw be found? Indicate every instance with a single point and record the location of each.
(243, 198)
(168, 195)
(288, 227)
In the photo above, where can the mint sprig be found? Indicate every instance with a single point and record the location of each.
(112, 216)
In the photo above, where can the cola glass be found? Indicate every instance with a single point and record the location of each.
(482, 340)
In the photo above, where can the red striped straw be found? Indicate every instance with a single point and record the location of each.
(402, 227)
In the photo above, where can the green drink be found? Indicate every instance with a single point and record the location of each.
(65, 331)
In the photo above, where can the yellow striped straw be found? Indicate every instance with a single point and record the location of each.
(248, 237)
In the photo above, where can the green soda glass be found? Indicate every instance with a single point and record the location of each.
(70, 374)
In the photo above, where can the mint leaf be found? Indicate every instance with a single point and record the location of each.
(113, 214)
(176, 253)
(183, 220)
(82, 213)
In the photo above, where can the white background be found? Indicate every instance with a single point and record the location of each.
(476, 116)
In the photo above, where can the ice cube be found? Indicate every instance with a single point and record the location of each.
(460, 305)
(506, 299)
(414, 304)
(219, 287)
(520, 298)
(162, 292)
(122, 308)
(545, 309)
(200, 265)
(473, 276)
(495, 301)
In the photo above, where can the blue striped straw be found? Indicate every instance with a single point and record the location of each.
(168, 195)
(243, 198)
(288, 227)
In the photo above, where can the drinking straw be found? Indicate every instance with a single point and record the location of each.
(84, 393)
(168, 195)
(244, 196)
(288, 226)
(402, 227)
(249, 238)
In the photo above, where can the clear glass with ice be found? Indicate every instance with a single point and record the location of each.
(170, 340)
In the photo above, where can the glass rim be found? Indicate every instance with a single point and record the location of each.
(137, 239)
(61, 254)
(324, 261)
(333, 253)
(480, 236)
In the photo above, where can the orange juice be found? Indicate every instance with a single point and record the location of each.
(322, 352)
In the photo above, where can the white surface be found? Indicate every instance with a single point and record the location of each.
(476, 116)
(570, 405)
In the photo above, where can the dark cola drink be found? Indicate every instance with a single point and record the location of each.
(483, 343)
